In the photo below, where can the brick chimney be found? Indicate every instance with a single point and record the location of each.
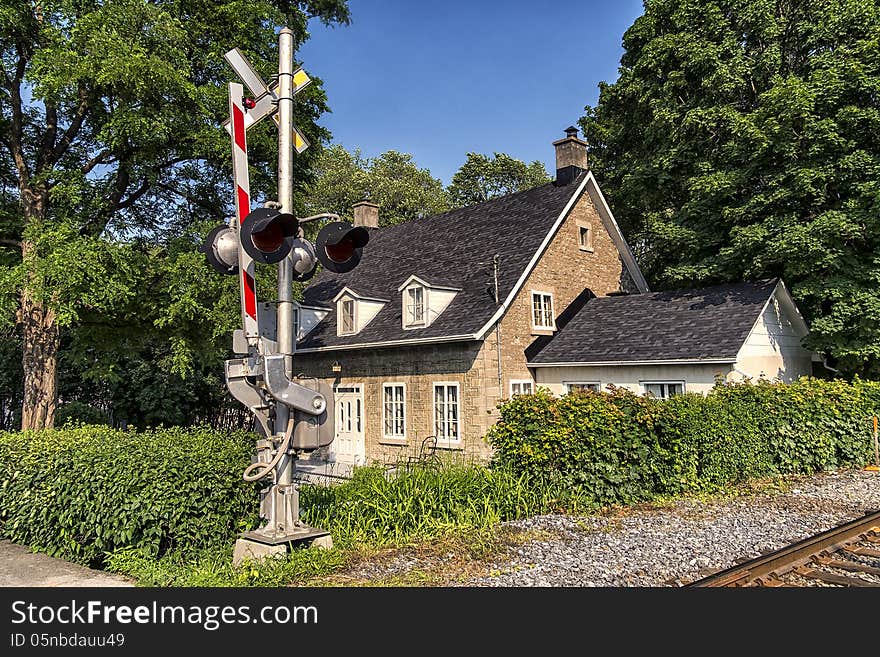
(366, 214)
(571, 157)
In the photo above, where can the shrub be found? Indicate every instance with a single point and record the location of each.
(83, 491)
(617, 447)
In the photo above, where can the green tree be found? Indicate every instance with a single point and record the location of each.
(742, 140)
(109, 140)
(392, 180)
(481, 178)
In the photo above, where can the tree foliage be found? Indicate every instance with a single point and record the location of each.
(481, 178)
(742, 140)
(392, 180)
(113, 164)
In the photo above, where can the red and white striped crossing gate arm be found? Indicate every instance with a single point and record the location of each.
(242, 210)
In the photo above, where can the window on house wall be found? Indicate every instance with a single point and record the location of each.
(394, 410)
(347, 316)
(663, 389)
(585, 237)
(446, 423)
(575, 386)
(521, 387)
(415, 306)
(542, 310)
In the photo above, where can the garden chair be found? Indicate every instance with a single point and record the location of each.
(427, 455)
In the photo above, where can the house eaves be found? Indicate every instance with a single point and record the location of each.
(618, 363)
(360, 297)
(390, 343)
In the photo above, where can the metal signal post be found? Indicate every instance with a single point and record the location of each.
(294, 415)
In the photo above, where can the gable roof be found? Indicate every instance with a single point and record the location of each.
(454, 250)
(701, 325)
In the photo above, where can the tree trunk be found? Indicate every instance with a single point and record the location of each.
(41, 339)
(39, 330)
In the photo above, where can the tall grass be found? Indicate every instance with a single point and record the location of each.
(380, 509)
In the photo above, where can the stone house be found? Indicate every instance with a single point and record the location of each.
(446, 316)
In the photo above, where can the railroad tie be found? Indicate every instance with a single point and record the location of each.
(848, 565)
(831, 578)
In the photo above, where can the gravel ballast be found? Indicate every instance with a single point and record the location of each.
(675, 544)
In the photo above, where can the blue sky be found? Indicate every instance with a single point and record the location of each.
(439, 79)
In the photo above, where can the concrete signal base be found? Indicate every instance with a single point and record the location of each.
(254, 546)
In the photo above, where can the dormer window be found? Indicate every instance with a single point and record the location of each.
(347, 317)
(423, 302)
(354, 311)
(306, 318)
(415, 306)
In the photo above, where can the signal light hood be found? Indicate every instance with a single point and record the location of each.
(266, 234)
(339, 246)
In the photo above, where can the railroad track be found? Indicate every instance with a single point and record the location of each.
(848, 555)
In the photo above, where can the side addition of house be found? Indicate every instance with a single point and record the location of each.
(666, 343)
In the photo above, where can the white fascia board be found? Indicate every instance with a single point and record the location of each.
(412, 279)
(352, 293)
(617, 237)
(308, 307)
(610, 225)
(787, 301)
(390, 343)
(537, 255)
(618, 363)
(421, 281)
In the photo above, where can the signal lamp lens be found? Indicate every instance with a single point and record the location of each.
(269, 239)
(340, 252)
(249, 103)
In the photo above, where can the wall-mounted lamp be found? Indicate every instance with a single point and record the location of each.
(336, 367)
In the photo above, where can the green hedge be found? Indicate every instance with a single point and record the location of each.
(82, 492)
(617, 447)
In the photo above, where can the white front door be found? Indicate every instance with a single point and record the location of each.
(348, 446)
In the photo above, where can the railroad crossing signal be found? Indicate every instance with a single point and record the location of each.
(265, 99)
(294, 413)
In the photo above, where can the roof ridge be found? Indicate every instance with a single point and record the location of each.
(690, 290)
(473, 206)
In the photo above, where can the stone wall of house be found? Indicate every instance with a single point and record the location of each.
(564, 270)
(418, 368)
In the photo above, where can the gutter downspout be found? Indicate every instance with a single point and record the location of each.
(498, 328)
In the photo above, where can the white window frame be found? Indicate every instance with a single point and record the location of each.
(521, 383)
(441, 439)
(542, 294)
(340, 312)
(406, 306)
(568, 385)
(644, 385)
(393, 436)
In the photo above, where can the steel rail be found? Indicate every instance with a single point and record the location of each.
(792, 556)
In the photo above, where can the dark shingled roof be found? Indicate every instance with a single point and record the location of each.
(707, 323)
(453, 249)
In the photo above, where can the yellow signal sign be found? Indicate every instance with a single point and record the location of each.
(300, 143)
(300, 80)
